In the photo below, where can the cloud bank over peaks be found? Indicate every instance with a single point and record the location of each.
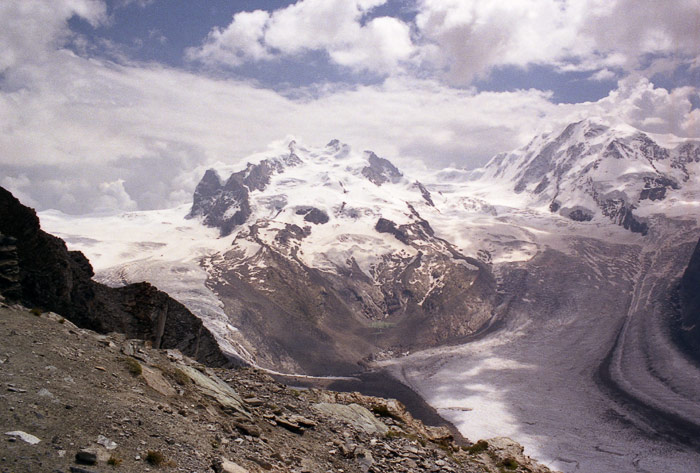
(81, 132)
(460, 40)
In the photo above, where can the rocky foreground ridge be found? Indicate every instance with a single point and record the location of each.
(78, 401)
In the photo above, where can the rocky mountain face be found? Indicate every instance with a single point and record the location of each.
(333, 259)
(690, 304)
(38, 270)
(77, 401)
(9, 268)
(594, 170)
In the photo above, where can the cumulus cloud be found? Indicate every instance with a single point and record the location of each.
(656, 110)
(112, 196)
(334, 26)
(465, 39)
(241, 41)
(470, 37)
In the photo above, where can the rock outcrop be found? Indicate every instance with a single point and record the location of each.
(45, 275)
(380, 170)
(226, 206)
(690, 304)
(10, 287)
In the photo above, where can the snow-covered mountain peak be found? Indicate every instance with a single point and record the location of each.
(332, 207)
(592, 169)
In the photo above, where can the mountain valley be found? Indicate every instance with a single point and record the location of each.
(547, 296)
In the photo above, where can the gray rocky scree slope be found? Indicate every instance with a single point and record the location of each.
(48, 276)
(322, 320)
(75, 391)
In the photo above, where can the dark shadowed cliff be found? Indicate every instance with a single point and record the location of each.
(690, 304)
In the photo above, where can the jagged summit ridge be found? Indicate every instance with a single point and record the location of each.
(592, 169)
(335, 168)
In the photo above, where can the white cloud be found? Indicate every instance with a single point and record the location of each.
(656, 110)
(334, 26)
(382, 44)
(241, 41)
(112, 196)
(32, 28)
(470, 37)
(465, 39)
(603, 74)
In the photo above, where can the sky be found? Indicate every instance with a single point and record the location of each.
(122, 104)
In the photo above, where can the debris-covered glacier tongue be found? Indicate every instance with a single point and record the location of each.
(538, 297)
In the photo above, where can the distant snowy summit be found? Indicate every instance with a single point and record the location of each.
(227, 204)
(594, 170)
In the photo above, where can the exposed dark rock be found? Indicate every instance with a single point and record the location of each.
(77, 469)
(387, 226)
(55, 279)
(554, 206)
(622, 214)
(580, 215)
(381, 170)
(314, 215)
(629, 222)
(655, 187)
(10, 287)
(425, 193)
(86, 457)
(617, 150)
(657, 193)
(651, 150)
(227, 206)
(542, 185)
(334, 144)
(291, 232)
(690, 304)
